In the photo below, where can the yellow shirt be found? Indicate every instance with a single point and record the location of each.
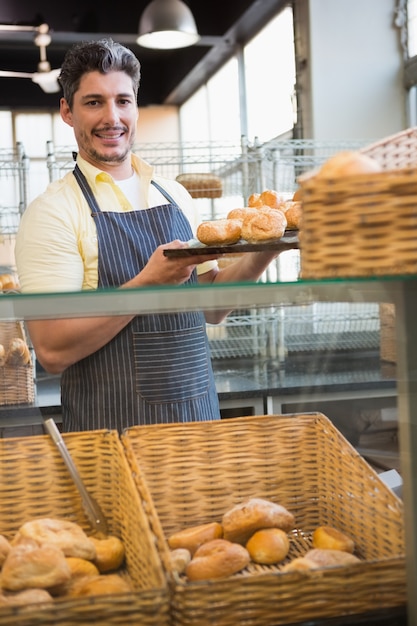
(56, 245)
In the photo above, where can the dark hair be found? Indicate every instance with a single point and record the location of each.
(103, 56)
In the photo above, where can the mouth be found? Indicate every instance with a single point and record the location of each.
(110, 136)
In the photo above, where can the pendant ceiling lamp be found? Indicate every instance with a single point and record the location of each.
(167, 24)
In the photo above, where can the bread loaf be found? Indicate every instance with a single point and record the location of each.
(242, 520)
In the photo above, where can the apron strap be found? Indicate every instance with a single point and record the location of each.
(164, 193)
(86, 189)
(92, 202)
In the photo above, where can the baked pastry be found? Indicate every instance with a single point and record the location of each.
(298, 195)
(34, 567)
(193, 537)
(271, 198)
(218, 232)
(242, 213)
(241, 521)
(110, 553)
(348, 163)
(268, 546)
(255, 201)
(328, 557)
(81, 567)
(300, 564)
(293, 213)
(18, 352)
(327, 537)
(5, 548)
(318, 558)
(7, 282)
(106, 584)
(25, 597)
(265, 225)
(179, 559)
(63, 534)
(217, 559)
(3, 355)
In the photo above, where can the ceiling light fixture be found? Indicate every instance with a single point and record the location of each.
(45, 77)
(167, 24)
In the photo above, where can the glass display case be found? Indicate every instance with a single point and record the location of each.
(400, 291)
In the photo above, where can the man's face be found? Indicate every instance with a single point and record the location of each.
(103, 116)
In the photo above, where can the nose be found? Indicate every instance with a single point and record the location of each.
(111, 112)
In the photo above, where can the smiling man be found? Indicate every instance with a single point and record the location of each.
(105, 225)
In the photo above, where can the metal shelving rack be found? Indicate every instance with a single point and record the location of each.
(14, 169)
(245, 168)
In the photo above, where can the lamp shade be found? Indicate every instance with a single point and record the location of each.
(167, 24)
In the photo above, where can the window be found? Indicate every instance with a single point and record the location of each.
(270, 79)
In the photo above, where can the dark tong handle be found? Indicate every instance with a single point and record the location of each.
(91, 507)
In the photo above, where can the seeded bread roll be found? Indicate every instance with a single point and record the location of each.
(218, 232)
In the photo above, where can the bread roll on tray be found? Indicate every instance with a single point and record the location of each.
(265, 225)
(219, 232)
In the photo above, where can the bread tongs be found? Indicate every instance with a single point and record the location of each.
(91, 507)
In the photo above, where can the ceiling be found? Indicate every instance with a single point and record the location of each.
(168, 76)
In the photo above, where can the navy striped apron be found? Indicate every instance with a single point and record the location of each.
(158, 368)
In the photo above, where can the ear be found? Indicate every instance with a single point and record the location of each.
(65, 111)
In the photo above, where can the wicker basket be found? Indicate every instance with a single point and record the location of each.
(16, 381)
(363, 225)
(195, 472)
(35, 483)
(201, 185)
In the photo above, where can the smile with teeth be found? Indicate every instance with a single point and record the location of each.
(109, 136)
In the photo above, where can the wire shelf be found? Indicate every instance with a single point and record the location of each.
(284, 330)
(14, 172)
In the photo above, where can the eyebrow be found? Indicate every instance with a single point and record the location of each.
(98, 96)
